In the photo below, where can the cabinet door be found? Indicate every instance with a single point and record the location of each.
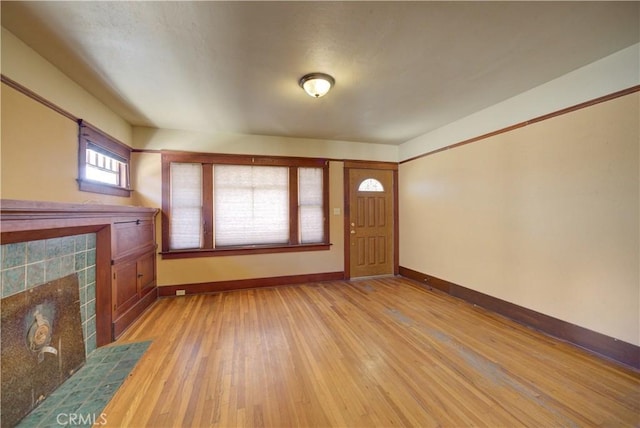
(125, 286)
(131, 238)
(146, 273)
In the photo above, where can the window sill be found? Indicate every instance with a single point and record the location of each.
(240, 251)
(105, 189)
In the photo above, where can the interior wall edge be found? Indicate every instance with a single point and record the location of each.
(601, 344)
(547, 116)
(608, 75)
(25, 66)
(147, 139)
(230, 285)
(544, 216)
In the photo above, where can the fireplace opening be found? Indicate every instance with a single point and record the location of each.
(48, 318)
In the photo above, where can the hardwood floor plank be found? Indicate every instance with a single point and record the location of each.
(376, 352)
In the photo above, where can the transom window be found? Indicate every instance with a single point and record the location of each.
(105, 168)
(221, 204)
(103, 162)
(370, 185)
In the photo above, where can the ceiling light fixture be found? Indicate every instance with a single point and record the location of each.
(316, 84)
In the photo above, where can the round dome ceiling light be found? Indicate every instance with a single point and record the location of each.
(316, 84)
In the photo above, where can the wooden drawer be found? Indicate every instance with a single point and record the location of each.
(132, 237)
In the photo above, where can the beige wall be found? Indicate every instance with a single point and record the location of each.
(39, 147)
(25, 66)
(545, 216)
(171, 139)
(39, 159)
(211, 269)
(610, 74)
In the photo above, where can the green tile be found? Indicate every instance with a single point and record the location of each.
(67, 265)
(91, 275)
(80, 261)
(91, 326)
(84, 390)
(35, 274)
(91, 309)
(75, 399)
(14, 255)
(53, 248)
(68, 407)
(36, 251)
(91, 240)
(119, 375)
(104, 393)
(51, 402)
(90, 344)
(81, 243)
(91, 257)
(68, 244)
(13, 281)
(91, 291)
(82, 279)
(52, 269)
(88, 392)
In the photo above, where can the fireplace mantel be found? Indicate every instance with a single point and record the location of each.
(23, 216)
(22, 221)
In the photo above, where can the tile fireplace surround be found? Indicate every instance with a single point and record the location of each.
(25, 265)
(42, 242)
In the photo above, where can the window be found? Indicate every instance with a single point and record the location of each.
(370, 185)
(103, 162)
(223, 204)
(186, 206)
(251, 205)
(310, 204)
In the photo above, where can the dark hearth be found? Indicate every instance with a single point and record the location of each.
(42, 344)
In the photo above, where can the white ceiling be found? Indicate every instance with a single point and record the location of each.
(401, 68)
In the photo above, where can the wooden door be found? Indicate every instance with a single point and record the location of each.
(146, 267)
(125, 287)
(371, 222)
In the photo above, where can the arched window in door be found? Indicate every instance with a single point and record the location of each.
(370, 185)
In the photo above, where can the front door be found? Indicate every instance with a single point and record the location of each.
(371, 222)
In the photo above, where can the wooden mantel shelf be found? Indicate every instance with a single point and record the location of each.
(17, 215)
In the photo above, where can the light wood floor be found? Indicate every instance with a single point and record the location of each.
(383, 352)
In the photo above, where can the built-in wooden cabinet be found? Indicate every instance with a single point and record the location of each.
(125, 252)
(133, 268)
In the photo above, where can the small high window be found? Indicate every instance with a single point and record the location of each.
(105, 167)
(103, 162)
(370, 185)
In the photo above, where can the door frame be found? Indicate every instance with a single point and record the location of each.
(348, 166)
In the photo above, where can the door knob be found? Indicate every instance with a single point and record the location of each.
(353, 232)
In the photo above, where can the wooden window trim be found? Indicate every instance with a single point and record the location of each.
(89, 135)
(208, 160)
(239, 251)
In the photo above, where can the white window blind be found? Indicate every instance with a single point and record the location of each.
(186, 206)
(310, 205)
(251, 205)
